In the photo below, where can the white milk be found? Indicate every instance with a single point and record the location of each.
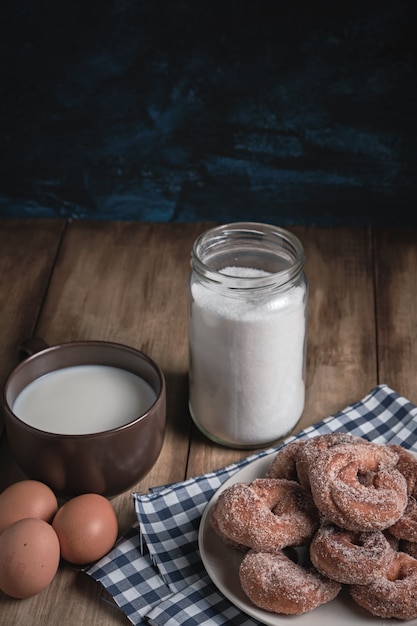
(84, 399)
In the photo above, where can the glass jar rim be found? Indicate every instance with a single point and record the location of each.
(275, 240)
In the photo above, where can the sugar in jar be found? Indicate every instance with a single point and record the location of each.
(247, 333)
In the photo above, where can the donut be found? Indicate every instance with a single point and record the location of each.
(275, 583)
(267, 514)
(392, 595)
(407, 465)
(284, 462)
(315, 446)
(357, 487)
(406, 526)
(350, 557)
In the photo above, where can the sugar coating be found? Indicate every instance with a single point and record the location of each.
(275, 583)
(247, 363)
(268, 514)
(349, 557)
(284, 464)
(394, 594)
(358, 487)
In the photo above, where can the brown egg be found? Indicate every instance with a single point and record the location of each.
(87, 528)
(29, 557)
(27, 498)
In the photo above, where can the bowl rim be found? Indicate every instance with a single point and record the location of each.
(85, 343)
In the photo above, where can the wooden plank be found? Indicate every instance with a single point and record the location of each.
(27, 254)
(341, 351)
(396, 309)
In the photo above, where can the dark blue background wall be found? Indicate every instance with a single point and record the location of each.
(288, 112)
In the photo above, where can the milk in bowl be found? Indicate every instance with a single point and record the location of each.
(84, 399)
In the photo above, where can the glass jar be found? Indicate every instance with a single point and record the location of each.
(247, 333)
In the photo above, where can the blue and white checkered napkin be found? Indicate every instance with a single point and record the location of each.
(155, 573)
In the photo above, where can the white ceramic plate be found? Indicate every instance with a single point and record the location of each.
(222, 565)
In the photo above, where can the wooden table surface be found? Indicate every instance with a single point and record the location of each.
(127, 282)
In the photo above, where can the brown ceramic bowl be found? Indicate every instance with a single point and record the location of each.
(107, 460)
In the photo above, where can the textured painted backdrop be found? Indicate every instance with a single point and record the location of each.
(288, 112)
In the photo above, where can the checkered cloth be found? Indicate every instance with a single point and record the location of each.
(155, 573)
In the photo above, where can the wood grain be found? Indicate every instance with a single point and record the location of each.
(341, 352)
(396, 309)
(27, 253)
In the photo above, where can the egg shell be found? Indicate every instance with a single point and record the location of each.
(87, 528)
(27, 498)
(29, 557)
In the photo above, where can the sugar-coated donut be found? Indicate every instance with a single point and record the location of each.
(316, 445)
(393, 595)
(406, 526)
(275, 583)
(357, 487)
(407, 465)
(284, 464)
(350, 557)
(267, 514)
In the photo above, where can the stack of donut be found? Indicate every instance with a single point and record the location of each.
(351, 503)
